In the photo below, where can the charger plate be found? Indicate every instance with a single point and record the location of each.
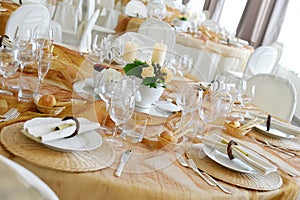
(261, 182)
(291, 144)
(77, 161)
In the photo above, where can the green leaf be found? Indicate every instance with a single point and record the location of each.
(135, 68)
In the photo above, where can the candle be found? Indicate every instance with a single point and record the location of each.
(130, 50)
(159, 53)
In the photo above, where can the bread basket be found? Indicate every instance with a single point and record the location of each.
(55, 110)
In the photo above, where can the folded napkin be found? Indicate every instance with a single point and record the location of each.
(257, 163)
(45, 132)
(288, 128)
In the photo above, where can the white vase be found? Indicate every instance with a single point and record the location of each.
(148, 96)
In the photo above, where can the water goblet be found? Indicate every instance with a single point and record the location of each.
(8, 66)
(122, 106)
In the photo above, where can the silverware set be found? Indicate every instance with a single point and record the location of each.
(206, 177)
(11, 114)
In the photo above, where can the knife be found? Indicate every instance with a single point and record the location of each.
(123, 161)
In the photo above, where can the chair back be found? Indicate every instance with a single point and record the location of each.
(159, 31)
(69, 15)
(275, 95)
(136, 8)
(262, 60)
(86, 38)
(90, 9)
(27, 16)
(295, 79)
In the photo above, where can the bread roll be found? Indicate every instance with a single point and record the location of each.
(167, 135)
(47, 100)
(235, 124)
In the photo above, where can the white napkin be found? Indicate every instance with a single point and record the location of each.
(46, 132)
(289, 128)
(255, 162)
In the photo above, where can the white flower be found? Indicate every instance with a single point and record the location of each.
(111, 75)
(147, 72)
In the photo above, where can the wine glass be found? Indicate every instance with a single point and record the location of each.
(23, 37)
(122, 105)
(44, 63)
(236, 87)
(209, 107)
(25, 56)
(8, 66)
(43, 35)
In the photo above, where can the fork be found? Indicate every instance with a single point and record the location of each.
(219, 185)
(13, 116)
(183, 163)
(8, 113)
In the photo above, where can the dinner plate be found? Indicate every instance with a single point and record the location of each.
(273, 132)
(235, 164)
(81, 142)
(43, 189)
(167, 106)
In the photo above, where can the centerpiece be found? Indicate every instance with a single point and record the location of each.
(152, 79)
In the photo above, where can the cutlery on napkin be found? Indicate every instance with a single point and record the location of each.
(47, 132)
(255, 162)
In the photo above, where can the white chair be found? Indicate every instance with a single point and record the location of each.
(159, 31)
(135, 8)
(69, 15)
(90, 9)
(295, 79)
(275, 95)
(279, 47)
(84, 45)
(27, 16)
(262, 60)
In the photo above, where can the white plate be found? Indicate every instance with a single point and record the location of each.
(167, 106)
(273, 132)
(81, 142)
(234, 164)
(31, 179)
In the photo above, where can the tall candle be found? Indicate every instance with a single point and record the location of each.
(130, 50)
(159, 53)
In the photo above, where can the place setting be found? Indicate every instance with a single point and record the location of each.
(67, 144)
(235, 164)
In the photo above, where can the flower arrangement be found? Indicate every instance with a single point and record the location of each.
(153, 75)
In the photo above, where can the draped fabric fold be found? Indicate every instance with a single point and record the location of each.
(214, 7)
(261, 21)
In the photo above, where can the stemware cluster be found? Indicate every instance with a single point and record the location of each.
(33, 47)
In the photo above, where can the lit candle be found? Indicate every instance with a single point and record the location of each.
(159, 53)
(130, 50)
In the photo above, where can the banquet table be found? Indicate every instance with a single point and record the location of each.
(209, 57)
(152, 172)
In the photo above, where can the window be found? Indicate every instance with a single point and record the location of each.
(231, 14)
(290, 37)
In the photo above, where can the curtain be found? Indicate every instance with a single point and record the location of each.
(261, 21)
(214, 7)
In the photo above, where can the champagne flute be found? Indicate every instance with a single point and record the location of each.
(44, 63)
(8, 66)
(44, 37)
